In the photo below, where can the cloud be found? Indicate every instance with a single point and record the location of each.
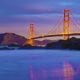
(42, 12)
(67, 3)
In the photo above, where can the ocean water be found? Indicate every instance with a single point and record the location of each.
(39, 65)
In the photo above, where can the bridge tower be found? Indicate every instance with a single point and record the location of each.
(31, 32)
(66, 26)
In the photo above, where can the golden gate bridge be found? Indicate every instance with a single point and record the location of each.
(66, 29)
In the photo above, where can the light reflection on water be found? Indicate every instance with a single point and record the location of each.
(40, 65)
(65, 73)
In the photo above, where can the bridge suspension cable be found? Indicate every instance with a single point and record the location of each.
(66, 29)
(75, 22)
(54, 29)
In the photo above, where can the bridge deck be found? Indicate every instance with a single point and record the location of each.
(56, 35)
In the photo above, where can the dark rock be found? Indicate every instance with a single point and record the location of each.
(72, 43)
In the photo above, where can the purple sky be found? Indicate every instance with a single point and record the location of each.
(16, 15)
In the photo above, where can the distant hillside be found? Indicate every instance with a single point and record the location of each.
(43, 42)
(73, 43)
(11, 38)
